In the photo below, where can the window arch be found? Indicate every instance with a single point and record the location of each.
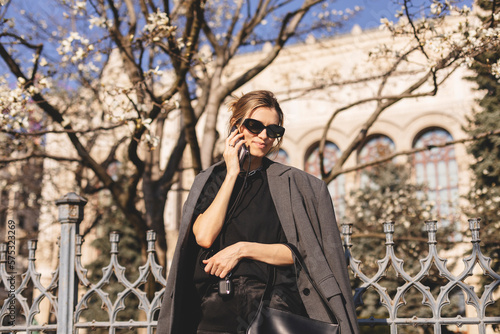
(337, 186)
(375, 147)
(437, 168)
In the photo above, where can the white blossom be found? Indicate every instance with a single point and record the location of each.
(386, 24)
(436, 8)
(98, 22)
(10, 22)
(495, 69)
(79, 8)
(158, 27)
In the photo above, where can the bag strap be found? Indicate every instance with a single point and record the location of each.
(272, 277)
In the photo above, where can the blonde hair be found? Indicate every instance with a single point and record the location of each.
(242, 107)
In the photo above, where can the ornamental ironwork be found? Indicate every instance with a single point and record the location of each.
(69, 292)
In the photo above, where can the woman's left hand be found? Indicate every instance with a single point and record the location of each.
(223, 261)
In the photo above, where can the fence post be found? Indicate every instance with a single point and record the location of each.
(70, 215)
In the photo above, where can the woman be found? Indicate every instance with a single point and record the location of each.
(235, 226)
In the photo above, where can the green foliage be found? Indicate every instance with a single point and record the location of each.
(129, 256)
(484, 195)
(486, 151)
(485, 192)
(390, 195)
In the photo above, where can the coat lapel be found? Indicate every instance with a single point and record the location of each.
(279, 186)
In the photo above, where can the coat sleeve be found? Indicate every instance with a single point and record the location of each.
(170, 313)
(335, 255)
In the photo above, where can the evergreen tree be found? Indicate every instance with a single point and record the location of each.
(484, 196)
(129, 256)
(390, 195)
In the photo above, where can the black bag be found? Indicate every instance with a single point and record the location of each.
(272, 321)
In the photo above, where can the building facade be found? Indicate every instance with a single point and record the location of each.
(312, 80)
(410, 124)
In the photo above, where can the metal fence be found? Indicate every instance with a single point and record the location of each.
(67, 307)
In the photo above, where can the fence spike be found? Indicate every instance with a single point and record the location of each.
(71, 252)
(151, 238)
(474, 226)
(347, 233)
(3, 252)
(431, 227)
(114, 239)
(32, 245)
(79, 242)
(389, 232)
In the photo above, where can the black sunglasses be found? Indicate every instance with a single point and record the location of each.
(256, 127)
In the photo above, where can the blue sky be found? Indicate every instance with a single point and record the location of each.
(369, 17)
(374, 10)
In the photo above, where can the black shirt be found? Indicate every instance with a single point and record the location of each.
(251, 217)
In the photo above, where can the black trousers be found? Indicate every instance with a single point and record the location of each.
(233, 314)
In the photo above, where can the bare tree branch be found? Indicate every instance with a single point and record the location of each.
(234, 22)
(288, 27)
(249, 25)
(383, 104)
(65, 131)
(57, 117)
(417, 150)
(420, 44)
(112, 152)
(39, 155)
(304, 91)
(132, 17)
(4, 8)
(96, 221)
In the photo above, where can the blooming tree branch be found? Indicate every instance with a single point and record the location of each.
(443, 51)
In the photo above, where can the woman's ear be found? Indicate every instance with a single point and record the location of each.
(239, 125)
(235, 123)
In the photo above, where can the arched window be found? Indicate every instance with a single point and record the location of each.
(337, 186)
(281, 157)
(437, 168)
(375, 147)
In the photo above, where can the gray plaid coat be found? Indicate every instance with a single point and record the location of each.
(307, 216)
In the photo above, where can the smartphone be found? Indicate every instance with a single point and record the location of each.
(243, 152)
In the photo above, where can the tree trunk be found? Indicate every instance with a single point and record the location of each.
(210, 134)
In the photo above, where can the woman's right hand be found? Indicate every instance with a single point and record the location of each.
(231, 155)
(208, 225)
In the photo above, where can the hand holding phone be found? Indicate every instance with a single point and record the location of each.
(243, 151)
